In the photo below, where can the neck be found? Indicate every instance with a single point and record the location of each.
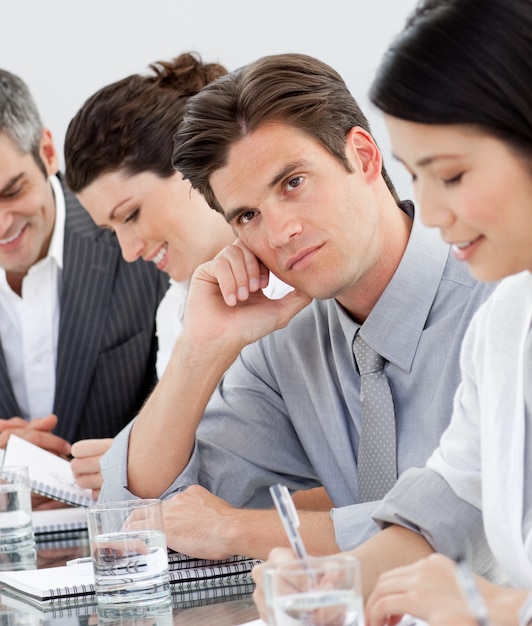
(388, 251)
(14, 280)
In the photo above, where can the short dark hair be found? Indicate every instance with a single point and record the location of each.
(129, 124)
(463, 62)
(296, 89)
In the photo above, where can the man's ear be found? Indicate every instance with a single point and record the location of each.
(363, 153)
(48, 153)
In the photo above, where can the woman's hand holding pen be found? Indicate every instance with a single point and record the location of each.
(419, 589)
(277, 555)
(430, 590)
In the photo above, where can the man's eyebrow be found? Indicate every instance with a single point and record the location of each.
(289, 167)
(10, 183)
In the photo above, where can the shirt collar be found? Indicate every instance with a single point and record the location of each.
(394, 326)
(55, 251)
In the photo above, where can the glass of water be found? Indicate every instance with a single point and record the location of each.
(16, 530)
(320, 591)
(129, 555)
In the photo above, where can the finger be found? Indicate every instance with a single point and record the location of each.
(45, 504)
(44, 423)
(43, 439)
(13, 422)
(91, 447)
(386, 611)
(231, 273)
(280, 555)
(259, 274)
(87, 465)
(89, 481)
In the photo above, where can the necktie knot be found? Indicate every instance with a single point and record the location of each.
(368, 361)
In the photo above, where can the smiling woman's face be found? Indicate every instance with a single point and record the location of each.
(475, 189)
(161, 220)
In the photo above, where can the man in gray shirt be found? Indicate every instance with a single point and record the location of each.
(283, 151)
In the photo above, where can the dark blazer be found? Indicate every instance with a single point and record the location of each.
(107, 343)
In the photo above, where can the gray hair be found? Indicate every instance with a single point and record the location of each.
(19, 117)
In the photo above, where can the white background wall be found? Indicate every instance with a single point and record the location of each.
(66, 49)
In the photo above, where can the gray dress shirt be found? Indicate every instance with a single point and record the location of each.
(288, 409)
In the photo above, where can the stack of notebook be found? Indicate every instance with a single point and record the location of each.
(58, 584)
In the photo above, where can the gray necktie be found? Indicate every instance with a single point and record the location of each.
(377, 463)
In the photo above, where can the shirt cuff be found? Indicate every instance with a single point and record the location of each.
(353, 524)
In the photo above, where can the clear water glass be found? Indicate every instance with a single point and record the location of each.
(321, 591)
(16, 529)
(129, 555)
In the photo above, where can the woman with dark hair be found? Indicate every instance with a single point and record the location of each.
(118, 157)
(455, 88)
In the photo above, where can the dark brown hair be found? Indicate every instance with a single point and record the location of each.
(296, 89)
(130, 124)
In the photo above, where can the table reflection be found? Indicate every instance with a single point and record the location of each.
(219, 605)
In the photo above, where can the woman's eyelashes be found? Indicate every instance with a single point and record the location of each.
(132, 216)
(454, 180)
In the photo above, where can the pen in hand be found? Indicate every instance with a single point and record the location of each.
(290, 519)
(472, 596)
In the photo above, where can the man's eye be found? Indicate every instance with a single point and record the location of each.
(246, 217)
(12, 194)
(295, 182)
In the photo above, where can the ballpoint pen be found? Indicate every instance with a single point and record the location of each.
(290, 519)
(472, 596)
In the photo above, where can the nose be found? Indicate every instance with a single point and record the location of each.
(6, 221)
(434, 210)
(281, 224)
(130, 245)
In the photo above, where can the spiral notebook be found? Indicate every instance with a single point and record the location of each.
(50, 475)
(57, 584)
(76, 606)
(55, 521)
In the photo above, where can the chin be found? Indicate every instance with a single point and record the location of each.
(494, 273)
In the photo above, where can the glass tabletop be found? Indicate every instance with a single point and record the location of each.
(223, 605)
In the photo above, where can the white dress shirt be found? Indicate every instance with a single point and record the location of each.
(29, 325)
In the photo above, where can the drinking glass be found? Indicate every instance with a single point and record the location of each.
(129, 555)
(16, 530)
(319, 591)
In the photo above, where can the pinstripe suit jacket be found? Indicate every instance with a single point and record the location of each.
(107, 343)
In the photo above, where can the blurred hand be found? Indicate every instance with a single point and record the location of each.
(420, 590)
(277, 555)
(39, 503)
(37, 431)
(86, 463)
